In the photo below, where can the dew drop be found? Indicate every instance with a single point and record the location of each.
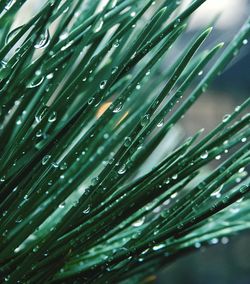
(174, 177)
(139, 222)
(204, 155)
(19, 219)
(218, 157)
(50, 76)
(63, 36)
(67, 45)
(245, 41)
(237, 108)
(3, 179)
(12, 34)
(94, 181)
(63, 166)
(36, 83)
(122, 170)
(214, 241)
(114, 70)
(86, 211)
(133, 14)
(118, 107)
(99, 26)
(91, 100)
(106, 136)
(204, 88)
(127, 141)
(241, 170)
(160, 123)
(45, 159)
(103, 84)
(224, 240)
(44, 41)
(145, 120)
(197, 245)
(39, 133)
(200, 73)
(116, 43)
(52, 117)
(62, 205)
(157, 247)
(226, 118)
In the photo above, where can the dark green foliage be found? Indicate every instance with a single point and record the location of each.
(84, 105)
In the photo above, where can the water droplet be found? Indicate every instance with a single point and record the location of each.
(217, 193)
(200, 73)
(133, 14)
(204, 88)
(62, 205)
(224, 240)
(44, 40)
(148, 73)
(118, 107)
(63, 36)
(127, 141)
(94, 181)
(45, 159)
(138, 86)
(99, 26)
(197, 245)
(122, 170)
(86, 211)
(3, 179)
(160, 123)
(106, 136)
(226, 117)
(245, 41)
(218, 157)
(39, 133)
(52, 117)
(139, 222)
(40, 114)
(116, 43)
(19, 219)
(244, 139)
(63, 166)
(174, 177)
(157, 247)
(103, 84)
(145, 120)
(36, 83)
(67, 45)
(114, 70)
(35, 249)
(91, 100)
(204, 155)
(214, 241)
(18, 122)
(50, 76)
(12, 34)
(241, 170)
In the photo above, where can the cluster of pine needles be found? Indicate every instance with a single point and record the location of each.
(88, 92)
